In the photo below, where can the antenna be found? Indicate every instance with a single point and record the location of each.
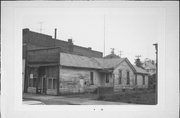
(112, 50)
(40, 23)
(120, 53)
(138, 56)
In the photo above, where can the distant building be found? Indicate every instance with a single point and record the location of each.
(149, 66)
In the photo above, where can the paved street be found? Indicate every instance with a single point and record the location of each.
(65, 100)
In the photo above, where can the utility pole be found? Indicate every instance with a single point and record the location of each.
(156, 84)
(104, 34)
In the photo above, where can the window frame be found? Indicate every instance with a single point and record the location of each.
(128, 78)
(143, 80)
(120, 76)
(92, 78)
(107, 78)
(136, 79)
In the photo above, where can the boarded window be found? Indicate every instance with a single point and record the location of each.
(92, 78)
(107, 78)
(120, 76)
(128, 79)
(143, 79)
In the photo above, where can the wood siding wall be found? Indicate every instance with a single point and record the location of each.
(77, 80)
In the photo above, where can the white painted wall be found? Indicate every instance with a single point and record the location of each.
(70, 80)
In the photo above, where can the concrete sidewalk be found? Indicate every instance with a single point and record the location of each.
(72, 101)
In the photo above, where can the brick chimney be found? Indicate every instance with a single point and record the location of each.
(89, 48)
(70, 45)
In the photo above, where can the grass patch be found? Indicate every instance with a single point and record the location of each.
(135, 97)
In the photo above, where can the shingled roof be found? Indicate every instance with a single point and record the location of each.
(72, 60)
(140, 70)
(109, 63)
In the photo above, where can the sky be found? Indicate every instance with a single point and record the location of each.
(130, 30)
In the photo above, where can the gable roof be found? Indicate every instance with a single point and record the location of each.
(109, 63)
(111, 56)
(140, 70)
(71, 60)
(149, 65)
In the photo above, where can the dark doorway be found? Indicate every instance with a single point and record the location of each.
(41, 83)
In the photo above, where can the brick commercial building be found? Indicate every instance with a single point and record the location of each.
(34, 40)
(38, 41)
(58, 67)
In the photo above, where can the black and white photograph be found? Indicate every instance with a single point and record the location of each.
(90, 58)
(93, 56)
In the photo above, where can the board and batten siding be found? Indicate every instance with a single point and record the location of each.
(124, 67)
(76, 80)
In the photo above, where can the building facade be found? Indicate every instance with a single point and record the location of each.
(79, 74)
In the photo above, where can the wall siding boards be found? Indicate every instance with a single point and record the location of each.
(70, 80)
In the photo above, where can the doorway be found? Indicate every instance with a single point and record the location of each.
(41, 83)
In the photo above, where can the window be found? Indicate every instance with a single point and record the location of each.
(91, 77)
(107, 78)
(120, 76)
(32, 82)
(52, 83)
(49, 83)
(143, 79)
(128, 79)
(135, 79)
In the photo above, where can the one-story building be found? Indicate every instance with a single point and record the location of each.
(63, 73)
